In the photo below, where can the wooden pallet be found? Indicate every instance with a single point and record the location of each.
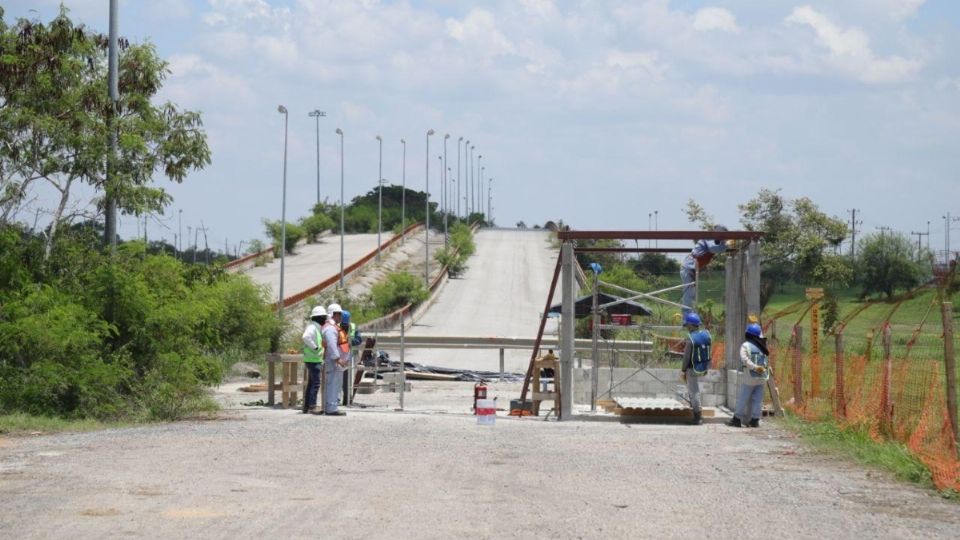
(611, 406)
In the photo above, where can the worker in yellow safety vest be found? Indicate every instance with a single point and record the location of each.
(313, 357)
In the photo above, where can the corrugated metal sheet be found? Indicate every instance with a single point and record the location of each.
(651, 404)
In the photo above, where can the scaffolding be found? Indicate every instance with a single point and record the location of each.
(741, 298)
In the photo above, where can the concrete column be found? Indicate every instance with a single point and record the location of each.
(753, 278)
(732, 325)
(567, 321)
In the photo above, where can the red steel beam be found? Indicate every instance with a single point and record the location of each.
(659, 235)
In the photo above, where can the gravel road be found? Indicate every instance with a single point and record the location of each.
(502, 294)
(380, 474)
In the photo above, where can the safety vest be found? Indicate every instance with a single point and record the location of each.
(342, 340)
(760, 359)
(314, 356)
(700, 359)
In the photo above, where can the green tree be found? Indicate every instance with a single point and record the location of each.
(800, 242)
(656, 264)
(886, 263)
(54, 111)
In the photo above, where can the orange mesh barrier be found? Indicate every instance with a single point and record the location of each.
(888, 380)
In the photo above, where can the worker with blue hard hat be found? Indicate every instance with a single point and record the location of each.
(753, 374)
(696, 361)
(353, 335)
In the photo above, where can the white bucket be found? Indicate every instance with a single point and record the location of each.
(486, 412)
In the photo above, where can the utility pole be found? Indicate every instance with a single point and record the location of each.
(854, 223)
(919, 235)
(189, 228)
(206, 246)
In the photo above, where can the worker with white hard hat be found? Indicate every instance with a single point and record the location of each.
(334, 359)
(313, 357)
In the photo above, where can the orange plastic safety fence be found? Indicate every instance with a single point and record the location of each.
(893, 387)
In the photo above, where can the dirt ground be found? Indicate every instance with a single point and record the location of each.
(432, 472)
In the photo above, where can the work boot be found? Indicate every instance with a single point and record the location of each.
(734, 422)
(335, 413)
(755, 422)
(697, 419)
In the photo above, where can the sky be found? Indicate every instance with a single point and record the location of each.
(598, 113)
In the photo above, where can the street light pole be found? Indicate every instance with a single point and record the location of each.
(340, 133)
(490, 200)
(317, 113)
(482, 211)
(283, 211)
(479, 182)
(403, 195)
(446, 202)
(180, 234)
(460, 140)
(380, 197)
(443, 196)
(426, 230)
(470, 208)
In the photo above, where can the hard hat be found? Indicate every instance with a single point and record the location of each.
(318, 311)
(346, 317)
(334, 308)
(719, 228)
(691, 319)
(754, 330)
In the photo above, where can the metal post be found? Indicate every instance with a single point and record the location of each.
(340, 133)
(283, 211)
(501, 364)
(595, 346)
(403, 194)
(316, 113)
(950, 366)
(380, 196)
(446, 202)
(426, 230)
(460, 140)
(403, 365)
(566, 329)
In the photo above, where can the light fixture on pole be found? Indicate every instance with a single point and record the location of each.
(460, 140)
(380, 197)
(317, 113)
(340, 133)
(426, 230)
(403, 194)
(283, 211)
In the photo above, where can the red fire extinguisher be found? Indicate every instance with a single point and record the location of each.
(479, 392)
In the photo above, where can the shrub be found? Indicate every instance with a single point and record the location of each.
(398, 290)
(274, 230)
(314, 226)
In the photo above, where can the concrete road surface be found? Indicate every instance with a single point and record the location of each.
(279, 474)
(502, 293)
(314, 263)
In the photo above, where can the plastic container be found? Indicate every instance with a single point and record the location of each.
(486, 412)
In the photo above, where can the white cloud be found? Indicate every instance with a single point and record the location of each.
(714, 18)
(850, 52)
(479, 29)
(643, 62)
(894, 9)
